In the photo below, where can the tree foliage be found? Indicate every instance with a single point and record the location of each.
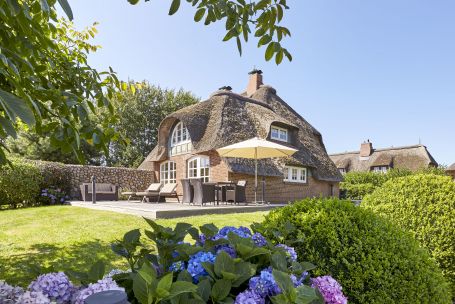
(241, 19)
(140, 109)
(45, 80)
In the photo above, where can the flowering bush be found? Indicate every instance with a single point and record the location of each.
(227, 265)
(230, 265)
(53, 196)
(55, 288)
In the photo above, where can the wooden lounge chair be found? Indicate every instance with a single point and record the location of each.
(152, 190)
(168, 190)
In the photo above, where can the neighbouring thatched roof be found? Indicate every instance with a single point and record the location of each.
(410, 157)
(451, 167)
(227, 118)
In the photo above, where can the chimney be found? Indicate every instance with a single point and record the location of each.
(255, 81)
(366, 148)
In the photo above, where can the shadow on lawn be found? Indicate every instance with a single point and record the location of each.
(19, 269)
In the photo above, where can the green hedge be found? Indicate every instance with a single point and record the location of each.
(20, 184)
(375, 261)
(423, 204)
(357, 185)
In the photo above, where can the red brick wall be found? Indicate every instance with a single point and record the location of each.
(277, 190)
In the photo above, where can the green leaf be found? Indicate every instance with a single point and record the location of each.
(279, 57)
(209, 230)
(16, 107)
(140, 289)
(239, 45)
(44, 6)
(270, 51)
(165, 282)
(96, 272)
(279, 261)
(221, 289)
(67, 8)
(306, 294)
(133, 2)
(204, 289)
(264, 40)
(132, 236)
(223, 262)
(199, 14)
(174, 7)
(181, 287)
(8, 127)
(285, 283)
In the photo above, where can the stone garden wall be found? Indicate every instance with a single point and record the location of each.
(125, 178)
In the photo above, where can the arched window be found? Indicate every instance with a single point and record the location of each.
(168, 173)
(180, 140)
(199, 167)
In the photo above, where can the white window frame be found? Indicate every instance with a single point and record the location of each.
(282, 134)
(180, 140)
(168, 172)
(199, 167)
(295, 174)
(380, 169)
(342, 170)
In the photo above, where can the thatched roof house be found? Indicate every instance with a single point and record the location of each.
(227, 118)
(369, 159)
(451, 170)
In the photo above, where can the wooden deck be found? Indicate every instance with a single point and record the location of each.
(171, 209)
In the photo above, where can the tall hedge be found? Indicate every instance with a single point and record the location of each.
(423, 204)
(357, 185)
(375, 261)
(19, 184)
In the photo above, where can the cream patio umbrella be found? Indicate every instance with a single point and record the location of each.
(256, 148)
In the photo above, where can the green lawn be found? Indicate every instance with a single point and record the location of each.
(67, 237)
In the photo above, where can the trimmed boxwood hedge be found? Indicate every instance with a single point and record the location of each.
(423, 204)
(375, 261)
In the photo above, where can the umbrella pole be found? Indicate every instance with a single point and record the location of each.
(256, 176)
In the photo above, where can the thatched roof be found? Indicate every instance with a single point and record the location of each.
(451, 167)
(410, 157)
(227, 118)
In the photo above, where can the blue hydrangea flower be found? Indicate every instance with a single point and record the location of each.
(201, 240)
(195, 267)
(177, 266)
(243, 232)
(330, 290)
(299, 281)
(101, 285)
(9, 294)
(264, 284)
(290, 252)
(259, 239)
(33, 297)
(249, 297)
(56, 286)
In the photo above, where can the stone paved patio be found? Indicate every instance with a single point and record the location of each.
(170, 209)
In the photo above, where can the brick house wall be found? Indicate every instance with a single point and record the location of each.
(277, 190)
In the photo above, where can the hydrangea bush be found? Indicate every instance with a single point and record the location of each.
(227, 265)
(53, 196)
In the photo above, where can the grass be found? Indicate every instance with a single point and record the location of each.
(65, 237)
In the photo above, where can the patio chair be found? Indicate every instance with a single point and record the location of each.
(104, 192)
(168, 190)
(188, 192)
(203, 193)
(152, 191)
(237, 193)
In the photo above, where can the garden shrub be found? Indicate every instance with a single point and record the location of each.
(423, 204)
(356, 185)
(19, 184)
(374, 260)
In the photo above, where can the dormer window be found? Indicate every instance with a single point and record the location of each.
(278, 133)
(380, 169)
(342, 170)
(180, 140)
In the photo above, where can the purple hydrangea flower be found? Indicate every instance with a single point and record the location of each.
(33, 297)
(101, 285)
(259, 239)
(249, 297)
(264, 284)
(330, 290)
(56, 286)
(226, 248)
(9, 294)
(290, 252)
(195, 267)
(113, 272)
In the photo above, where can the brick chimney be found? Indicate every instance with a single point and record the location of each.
(254, 82)
(366, 148)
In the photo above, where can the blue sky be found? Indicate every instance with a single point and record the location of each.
(379, 70)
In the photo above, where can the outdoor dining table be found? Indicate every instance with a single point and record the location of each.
(219, 187)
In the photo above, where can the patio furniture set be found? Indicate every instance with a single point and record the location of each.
(195, 192)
